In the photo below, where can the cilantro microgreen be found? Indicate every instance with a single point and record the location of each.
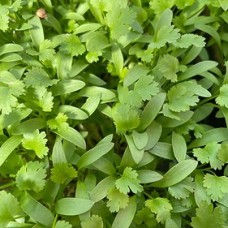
(113, 113)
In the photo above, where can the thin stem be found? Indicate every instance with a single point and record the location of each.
(7, 185)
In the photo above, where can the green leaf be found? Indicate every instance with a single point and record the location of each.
(104, 165)
(92, 155)
(148, 176)
(9, 208)
(96, 42)
(117, 58)
(125, 117)
(168, 65)
(145, 217)
(146, 87)
(28, 126)
(213, 135)
(151, 110)
(125, 216)
(36, 141)
(102, 189)
(93, 221)
(216, 186)
(209, 154)
(166, 34)
(58, 153)
(73, 206)
(163, 150)
(31, 176)
(9, 48)
(119, 19)
(176, 174)
(8, 147)
(58, 123)
(62, 172)
(187, 40)
(184, 95)
(4, 18)
(116, 200)
(36, 33)
(154, 132)
(200, 193)
(91, 104)
(209, 30)
(182, 189)
(10, 89)
(128, 182)
(78, 67)
(41, 98)
(137, 154)
(46, 51)
(37, 77)
(134, 73)
(223, 4)
(73, 112)
(106, 95)
(63, 224)
(67, 86)
(161, 207)
(179, 146)
(36, 211)
(140, 139)
(207, 216)
(197, 69)
(11, 57)
(222, 153)
(71, 135)
(72, 46)
(222, 99)
(86, 27)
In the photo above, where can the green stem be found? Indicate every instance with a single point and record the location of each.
(7, 185)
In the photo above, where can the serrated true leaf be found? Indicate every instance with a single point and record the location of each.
(216, 186)
(9, 208)
(72, 46)
(222, 153)
(116, 200)
(168, 65)
(119, 20)
(125, 117)
(93, 221)
(4, 18)
(161, 207)
(209, 154)
(128, 182)
(31, 176)
(37, 77)
(182, 189)
(208, 216)
(46, 51)
(63, 224)
(146, 87)
(62, 172)
(187, 40)
(36, 141)
(222, 99)
(184, 95)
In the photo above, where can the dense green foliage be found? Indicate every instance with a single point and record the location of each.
(113, 113)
